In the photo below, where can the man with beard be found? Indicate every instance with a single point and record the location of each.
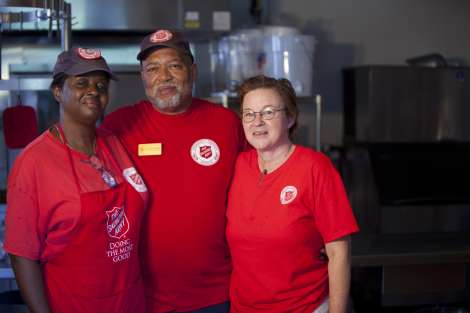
(185, 149)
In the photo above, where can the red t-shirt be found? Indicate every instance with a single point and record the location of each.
(43, 203)
(277, 224)
(186, 263)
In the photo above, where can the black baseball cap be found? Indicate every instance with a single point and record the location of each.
(79, 61)
(164, 38)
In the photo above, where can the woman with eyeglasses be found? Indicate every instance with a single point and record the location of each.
(286, 204)
(75, 203)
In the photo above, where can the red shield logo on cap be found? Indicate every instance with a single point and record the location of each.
(161, 36)
(89, 54)
(205, 151)
(118, 224)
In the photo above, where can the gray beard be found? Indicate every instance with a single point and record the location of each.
(173, 102)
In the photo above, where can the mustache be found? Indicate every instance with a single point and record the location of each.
(164, 85)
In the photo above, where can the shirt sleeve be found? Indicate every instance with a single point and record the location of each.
(22, 236)
(332, 211)
(120, 154)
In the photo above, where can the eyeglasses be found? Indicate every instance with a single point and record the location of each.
(268, 113)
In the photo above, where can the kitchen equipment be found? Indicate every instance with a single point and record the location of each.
(233, 59)
(405, 167)
(407, 146)
(431, 60)
(139, 16)
(274, 51)
(289, 57)
(406, 104)
(26, 14)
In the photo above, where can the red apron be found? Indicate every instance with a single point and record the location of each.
(99, 270)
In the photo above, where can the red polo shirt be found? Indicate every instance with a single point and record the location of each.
(277, 224)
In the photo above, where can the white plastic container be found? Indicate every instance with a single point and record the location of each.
(233, 59)
(290, 57)
(273, 51)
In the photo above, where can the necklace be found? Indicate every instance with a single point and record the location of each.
(93, 150)
(61, 136)
(94, 161)
(275, 164)
(106, 175)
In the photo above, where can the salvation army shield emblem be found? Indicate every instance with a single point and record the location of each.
(117, 224)
(161, 36)
(288, 194)
(134, 178)
(89, 54)
(205, 151)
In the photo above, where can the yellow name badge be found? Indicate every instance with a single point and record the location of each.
(144, 149)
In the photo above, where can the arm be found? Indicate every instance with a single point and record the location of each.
(28, 275)
(339, 273)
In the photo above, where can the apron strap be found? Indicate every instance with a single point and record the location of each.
(105, 149)
(69, 153)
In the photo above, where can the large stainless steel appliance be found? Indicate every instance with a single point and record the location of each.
(406, 162)
(406, 104)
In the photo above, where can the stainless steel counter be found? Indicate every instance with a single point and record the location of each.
(413, 269)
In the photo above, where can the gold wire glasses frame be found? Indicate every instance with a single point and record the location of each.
(267, 113)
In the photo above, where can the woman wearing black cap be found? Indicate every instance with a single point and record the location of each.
(75, 203)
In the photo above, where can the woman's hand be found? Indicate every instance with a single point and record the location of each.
(28, 275)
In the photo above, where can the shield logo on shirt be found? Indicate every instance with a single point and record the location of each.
(205, 151)
(117, 224)
(134, 178)
(288, 194)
